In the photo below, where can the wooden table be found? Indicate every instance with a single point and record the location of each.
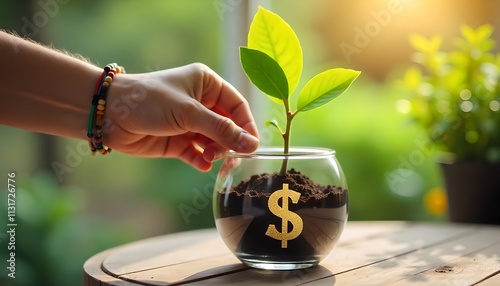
(383, 253)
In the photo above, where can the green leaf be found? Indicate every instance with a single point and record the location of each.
(468, 33)
(424, 45)
(274, 123)
(265, 73)
(324, 87)
(479, 38)
(484, 32)
(270, 34)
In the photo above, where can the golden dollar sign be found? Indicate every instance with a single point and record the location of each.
(285, 215)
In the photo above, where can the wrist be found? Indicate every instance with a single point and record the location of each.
(119, 106)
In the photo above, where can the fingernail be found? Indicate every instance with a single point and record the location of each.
(209, 155)
(213, 154)
(218, 154)
(247, 142)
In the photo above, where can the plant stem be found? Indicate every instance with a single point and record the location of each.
(286, 137)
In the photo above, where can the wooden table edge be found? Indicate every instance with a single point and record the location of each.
(94, 274)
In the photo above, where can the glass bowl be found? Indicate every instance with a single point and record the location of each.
(276, 219)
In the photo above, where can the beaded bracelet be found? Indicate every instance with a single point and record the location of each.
(95, 124)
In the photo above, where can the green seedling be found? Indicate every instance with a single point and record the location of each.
(273, 63)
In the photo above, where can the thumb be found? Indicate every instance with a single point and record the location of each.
(224, 131)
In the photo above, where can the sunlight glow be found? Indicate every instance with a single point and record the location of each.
(426, 89)
(466, 106)
(494, 105)
(403, 106)
(465, 94)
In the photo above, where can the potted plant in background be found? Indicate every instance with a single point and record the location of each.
(282, 207)
(456, 98)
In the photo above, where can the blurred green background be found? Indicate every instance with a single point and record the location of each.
(65, 215)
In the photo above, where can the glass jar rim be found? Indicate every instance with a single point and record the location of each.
(277, 153)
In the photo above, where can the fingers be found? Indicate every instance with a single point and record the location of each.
(185, 147)
(189, 148)
(223, 131)
(193, 115)
(227, 119)
(213, 152)
(194, 157)
(188, 152)
(220, 96)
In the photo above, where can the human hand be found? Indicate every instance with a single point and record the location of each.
(189, 113)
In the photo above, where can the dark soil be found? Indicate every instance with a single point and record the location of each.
(264, 184)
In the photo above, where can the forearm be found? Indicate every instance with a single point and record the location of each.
(44, 90)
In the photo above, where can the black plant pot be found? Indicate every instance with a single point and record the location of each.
(473, 190)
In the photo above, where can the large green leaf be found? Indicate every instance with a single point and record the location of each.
(270, 34)
(324, 87)
(264, 72)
